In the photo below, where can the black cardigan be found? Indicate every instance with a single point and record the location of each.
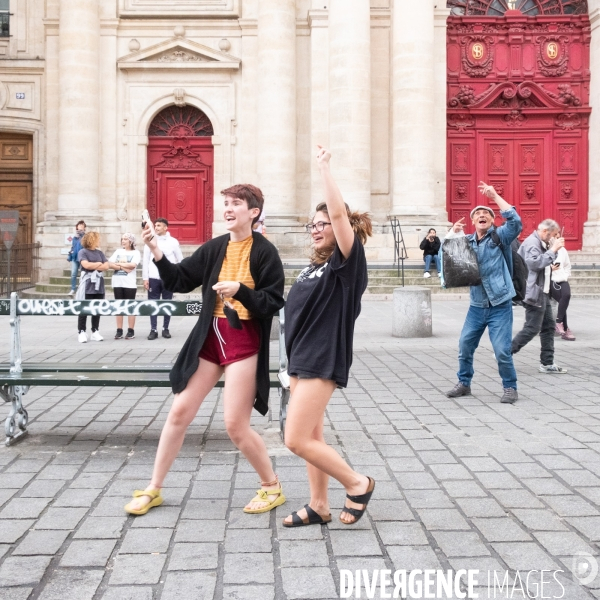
(203, 268)
(430, 248)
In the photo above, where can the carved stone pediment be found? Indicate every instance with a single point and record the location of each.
(178, 53)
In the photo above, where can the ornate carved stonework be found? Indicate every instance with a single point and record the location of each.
(477, 55)
(565, 95)
(556, 62)
(566, 191)
(179, 97)
(184, 121)
(180, 56)
(461, 122)
(495, 8)
(514, 119)
(568, 121)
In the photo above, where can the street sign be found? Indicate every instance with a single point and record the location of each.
(9, 224)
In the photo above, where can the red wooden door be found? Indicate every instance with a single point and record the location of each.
(519, 166)
(180, 175)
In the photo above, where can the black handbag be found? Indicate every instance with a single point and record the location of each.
(231, 314)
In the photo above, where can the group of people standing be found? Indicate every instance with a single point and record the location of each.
(491, 302)
(86, 254)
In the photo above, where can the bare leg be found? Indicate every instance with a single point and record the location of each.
(119, 322)
(184, 409)
(131, 322)
(238, 401)
(319, 483)
(306, 410)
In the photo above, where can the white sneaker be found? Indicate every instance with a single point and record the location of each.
(440, 275)
(82, 338)
(72, 293)
(552, 369)
(96, 337)
(426, 274)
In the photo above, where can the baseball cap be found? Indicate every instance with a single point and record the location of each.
(481, 207)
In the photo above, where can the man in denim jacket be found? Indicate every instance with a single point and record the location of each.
(491, 302)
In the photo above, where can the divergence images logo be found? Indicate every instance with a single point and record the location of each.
(584, 568)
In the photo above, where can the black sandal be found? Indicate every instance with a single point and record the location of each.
(362, 499)
(314, 518)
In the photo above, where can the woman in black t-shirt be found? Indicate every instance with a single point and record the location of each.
(321, 310)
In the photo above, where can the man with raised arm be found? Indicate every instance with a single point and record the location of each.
(491, 301)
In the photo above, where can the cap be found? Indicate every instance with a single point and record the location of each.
(481, 207)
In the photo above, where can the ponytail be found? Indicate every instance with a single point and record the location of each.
(361, 225)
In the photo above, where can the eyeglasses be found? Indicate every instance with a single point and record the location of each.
(318, 226)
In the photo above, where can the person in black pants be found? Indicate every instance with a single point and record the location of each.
(431, 246)
(91, 285)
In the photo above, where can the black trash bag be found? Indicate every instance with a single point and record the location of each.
(460, 266)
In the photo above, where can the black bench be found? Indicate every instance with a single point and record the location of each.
(17, 377)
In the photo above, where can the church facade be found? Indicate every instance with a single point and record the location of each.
(108, 108)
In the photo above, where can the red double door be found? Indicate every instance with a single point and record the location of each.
(180, 185)
(536, 172)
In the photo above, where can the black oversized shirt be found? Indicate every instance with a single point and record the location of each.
(320, 313)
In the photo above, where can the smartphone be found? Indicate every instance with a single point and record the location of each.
(557, 264)
(145, 217)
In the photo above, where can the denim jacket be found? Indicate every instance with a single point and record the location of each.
(495, 265)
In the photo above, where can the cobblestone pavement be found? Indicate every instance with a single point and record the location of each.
(470, 484)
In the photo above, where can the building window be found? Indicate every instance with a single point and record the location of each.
(497, 8)
(4, 18)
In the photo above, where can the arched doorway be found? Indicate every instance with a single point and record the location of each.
(518, 108)
(180, 172)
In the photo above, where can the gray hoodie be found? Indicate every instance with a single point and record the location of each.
(534, 253)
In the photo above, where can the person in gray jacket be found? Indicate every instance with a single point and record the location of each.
(539, 252)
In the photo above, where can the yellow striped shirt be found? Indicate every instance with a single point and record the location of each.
(236, 267)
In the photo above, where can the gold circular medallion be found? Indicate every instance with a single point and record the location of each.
(477, 51)
(552, 50)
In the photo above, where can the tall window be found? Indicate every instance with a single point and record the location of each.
(4, 18)
(496, 8)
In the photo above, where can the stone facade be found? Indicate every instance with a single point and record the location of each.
(275, 77)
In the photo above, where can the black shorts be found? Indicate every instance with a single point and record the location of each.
(123, 293)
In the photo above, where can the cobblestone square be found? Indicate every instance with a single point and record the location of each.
(461, 484)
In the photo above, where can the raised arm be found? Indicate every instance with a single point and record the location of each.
(336, 207)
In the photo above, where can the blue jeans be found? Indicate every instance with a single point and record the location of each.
(499, 321)
(74, 272)
(436, 258)
(157, 289)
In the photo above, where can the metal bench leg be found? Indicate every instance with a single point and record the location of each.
(284, 395)
(15, 425)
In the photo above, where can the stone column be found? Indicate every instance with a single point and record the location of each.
(78, 140)
(350, 99)
(276, 103)
(414, 109)
(591, 229)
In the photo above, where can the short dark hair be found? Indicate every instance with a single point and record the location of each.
(248, 192)
(432, 229)
(162, 220)
(80, 223)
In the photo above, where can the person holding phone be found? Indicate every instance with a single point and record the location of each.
(322, 307)
(539, 251)
(431, 246)
(152, 281)
(242, 277)
(560, 290)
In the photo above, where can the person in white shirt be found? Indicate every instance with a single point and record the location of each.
(560, 290)
(124, 280)
(260, 226)
(169, 246)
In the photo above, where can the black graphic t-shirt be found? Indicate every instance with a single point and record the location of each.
(320, 312)
(92, 256)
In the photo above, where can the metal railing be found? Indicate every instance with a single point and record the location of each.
(400, 253)
(24, 267)
(4, 23)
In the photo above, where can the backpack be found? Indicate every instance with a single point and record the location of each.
(518, 269)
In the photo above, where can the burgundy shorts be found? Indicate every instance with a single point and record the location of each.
(225, 345)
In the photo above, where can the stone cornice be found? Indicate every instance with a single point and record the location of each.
(22, 65)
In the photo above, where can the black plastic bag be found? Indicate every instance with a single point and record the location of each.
(460, 266)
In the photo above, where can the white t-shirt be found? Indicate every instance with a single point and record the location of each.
(122, 278)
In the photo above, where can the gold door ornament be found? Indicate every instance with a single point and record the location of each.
(552, 50)
(477, 51)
